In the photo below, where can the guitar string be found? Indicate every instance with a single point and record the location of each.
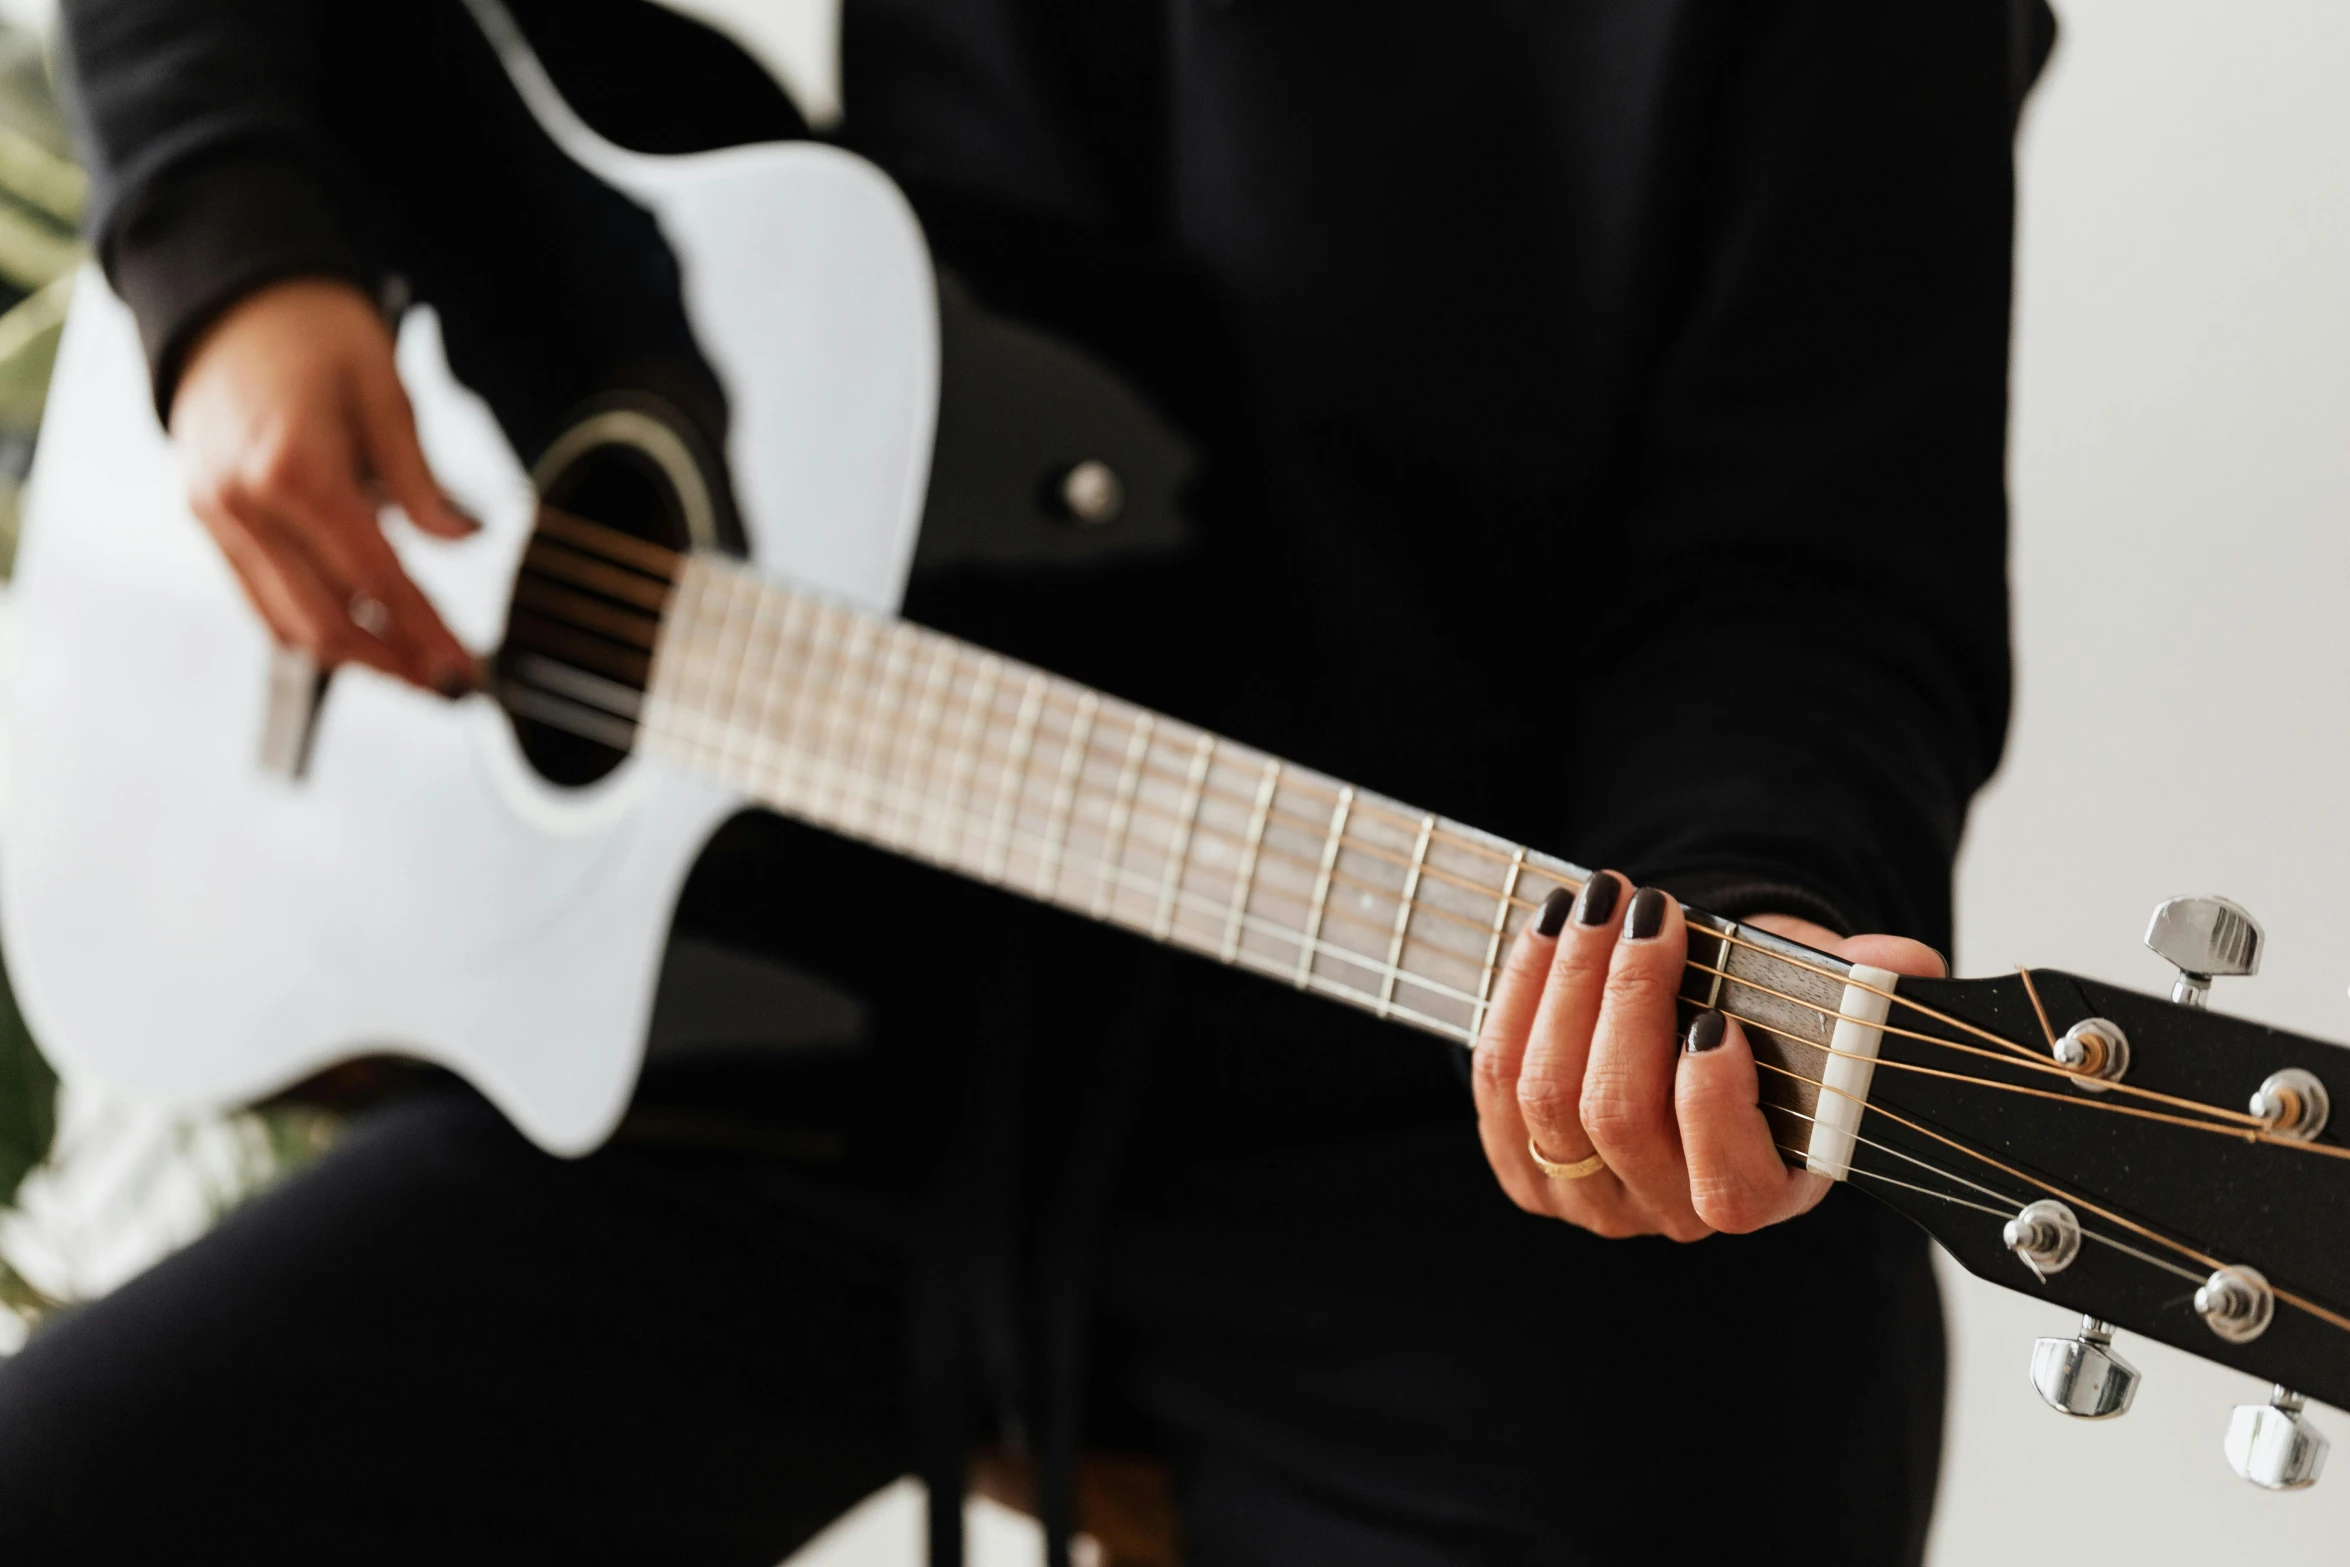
(1102, 744)
(2048, 1067)
(544, 607)
(2051, 1068)
(2038, 1011)
(2289, 1297)
(733, 583)
(584, 534)
(588, 533)
(2087, 1234)
(1103, 747)
(1364, 999)
(845, 780)
(1371, 924)
(1934, 1169)
(2250, 1137)
(2323, 1313)
(1393, 972)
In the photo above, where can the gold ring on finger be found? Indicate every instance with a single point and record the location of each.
(1581, 1169)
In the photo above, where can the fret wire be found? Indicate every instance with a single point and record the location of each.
(717, 685)
(1371, 890)
(692, 594)
(699, 671)
(1501, 920)
(1141, 806)
(1375, 811)
(739, 736)
(772, 754)
(1179, 845)
(1312, 945)
(937, 820)
(1341, 878)
(801, 715)
(1713, 995)
(958, 816)
(917, 751)
(710, 627)
(880, 704)
(1359, 845)
(1403, 910)
(885, 731)
(805, 714)
(1198, 902)
(849, 685)
(1362, 808)
(1015, 784)
(1073, 755)
(1369, 808)
(1122, 809)
(1244, 880)
(661, 673)
(852, 688)
(1338, 814)
(859, 653)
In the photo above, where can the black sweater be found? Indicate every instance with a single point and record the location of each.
(1607, 401)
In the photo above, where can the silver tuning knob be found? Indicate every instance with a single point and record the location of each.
(2204, 938)
(2273, 1445)
(2082, 1376)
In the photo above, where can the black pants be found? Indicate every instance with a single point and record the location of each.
(1298, 1282)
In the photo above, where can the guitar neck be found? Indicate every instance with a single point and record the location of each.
(941, 751)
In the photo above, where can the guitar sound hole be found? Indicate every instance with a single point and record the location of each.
(589, 597)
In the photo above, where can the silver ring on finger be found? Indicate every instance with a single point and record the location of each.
(1578, 1170)
(367, 612)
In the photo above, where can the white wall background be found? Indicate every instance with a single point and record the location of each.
(2182, 577)
(2181, 477)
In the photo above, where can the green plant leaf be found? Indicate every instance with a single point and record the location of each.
(28, 1099)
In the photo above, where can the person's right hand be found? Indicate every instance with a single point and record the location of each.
(292, 430)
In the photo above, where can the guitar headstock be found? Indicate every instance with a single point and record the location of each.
(2156, 1166)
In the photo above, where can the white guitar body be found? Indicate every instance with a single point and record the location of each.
(199, 931)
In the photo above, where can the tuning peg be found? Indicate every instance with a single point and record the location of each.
(2204, 938)
(2082, 1376)
(2273, 1445)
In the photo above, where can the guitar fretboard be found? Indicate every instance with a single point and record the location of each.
(935, 749)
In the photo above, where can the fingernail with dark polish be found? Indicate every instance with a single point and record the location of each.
(1707, 1031)
(1647, 916)
(1553, 913)
(453, 686)
(1598, 900)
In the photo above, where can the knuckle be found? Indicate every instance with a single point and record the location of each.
(212, 496)
(273, 469)
(1487, 1067)
(1612, 1107)
(1730, 1206)
(1688, 1232)
(1575, 962)
(1525, 1199)
(1640, 983)
(1547, 1102)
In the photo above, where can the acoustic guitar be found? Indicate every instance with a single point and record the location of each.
(211, 853)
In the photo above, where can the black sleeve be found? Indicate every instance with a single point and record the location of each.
(1806, 676)
(210, 165)
(232, 143)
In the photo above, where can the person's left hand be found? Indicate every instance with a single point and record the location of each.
(1580, 1055)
